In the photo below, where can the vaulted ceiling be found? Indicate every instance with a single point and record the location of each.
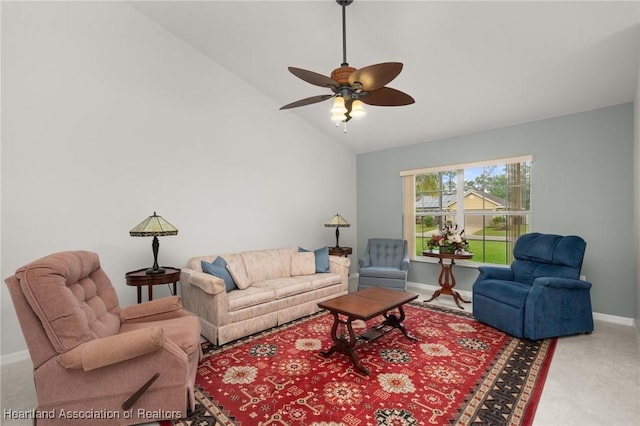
(470, 66)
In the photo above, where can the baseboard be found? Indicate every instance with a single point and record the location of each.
(14, 357)
(613, 319)
(596, 315)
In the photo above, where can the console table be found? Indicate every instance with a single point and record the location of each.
(140, 278)
(446, 279)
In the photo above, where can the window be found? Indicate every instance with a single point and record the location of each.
(490, 201)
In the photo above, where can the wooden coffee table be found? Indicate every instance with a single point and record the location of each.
(364, 305)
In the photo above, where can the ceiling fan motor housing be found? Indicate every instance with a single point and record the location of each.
(341, 75)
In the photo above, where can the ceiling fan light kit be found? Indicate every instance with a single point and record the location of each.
(352, 87)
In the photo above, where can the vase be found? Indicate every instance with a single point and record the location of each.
(448, 249)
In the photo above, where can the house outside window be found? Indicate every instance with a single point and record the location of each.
(489, 201)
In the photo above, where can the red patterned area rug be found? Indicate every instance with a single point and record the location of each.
(459, 372)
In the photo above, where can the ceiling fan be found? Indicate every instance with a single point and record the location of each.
(351, 87)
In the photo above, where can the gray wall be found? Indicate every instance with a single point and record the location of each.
(106, 117)
(582, 184)
(636, 192)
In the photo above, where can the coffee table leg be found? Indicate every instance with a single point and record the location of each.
(344, 345)
(395, 322)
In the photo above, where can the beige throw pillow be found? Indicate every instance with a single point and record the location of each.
(237, 271)
(303, 263)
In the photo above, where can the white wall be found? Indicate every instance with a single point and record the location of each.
(106, 117)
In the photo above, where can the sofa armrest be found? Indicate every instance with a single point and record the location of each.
(206, 282)
(113, 349)
(338, 262)
(340, 265)
(494, 272)
(154, 310)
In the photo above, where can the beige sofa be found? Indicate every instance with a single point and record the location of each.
(281, 285)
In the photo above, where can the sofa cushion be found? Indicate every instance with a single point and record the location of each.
(218, 268)
(286, 287)
(267, 264)
(383, 272)
(324, 280)
(252, 296)
(237, 271)
(303, 264)
(321, 258)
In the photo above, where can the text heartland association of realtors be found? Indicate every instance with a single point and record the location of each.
(140, 413)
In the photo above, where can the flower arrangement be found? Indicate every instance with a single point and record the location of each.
(449, 240)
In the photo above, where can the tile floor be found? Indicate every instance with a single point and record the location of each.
(594, 380)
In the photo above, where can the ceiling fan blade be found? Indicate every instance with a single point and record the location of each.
(307, 101)
(386, 96)
(375, 76)
(314, 78)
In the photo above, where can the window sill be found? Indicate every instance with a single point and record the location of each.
(460, 263)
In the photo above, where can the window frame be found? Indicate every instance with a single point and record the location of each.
(409, 203)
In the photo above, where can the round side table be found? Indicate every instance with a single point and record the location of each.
(140, 278)
(340, 251)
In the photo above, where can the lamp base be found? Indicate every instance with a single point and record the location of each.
(151, 271)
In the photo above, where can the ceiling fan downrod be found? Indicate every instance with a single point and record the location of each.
(344, 4)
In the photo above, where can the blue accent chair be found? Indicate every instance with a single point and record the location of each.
(541, 294)
(385, 263)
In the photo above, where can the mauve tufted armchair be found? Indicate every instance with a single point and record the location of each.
(541, 294)
(385, 263)
(91, 357)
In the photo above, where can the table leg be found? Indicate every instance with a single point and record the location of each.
(344, 344)
(150, 291)
(447, 282)
(139, 288)
(396, 322)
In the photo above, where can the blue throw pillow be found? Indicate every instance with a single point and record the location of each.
(322, 258)
(219, 268)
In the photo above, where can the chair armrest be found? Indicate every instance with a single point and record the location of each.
(404, 265)
(154, 310)
(494, 272)
(206, 282)
(113, 349)
(563, 283)
(365, 260)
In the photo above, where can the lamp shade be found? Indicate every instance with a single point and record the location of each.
(153, 226)
(337, 221)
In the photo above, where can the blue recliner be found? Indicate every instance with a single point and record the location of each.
(385, 263)
(541, 295)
